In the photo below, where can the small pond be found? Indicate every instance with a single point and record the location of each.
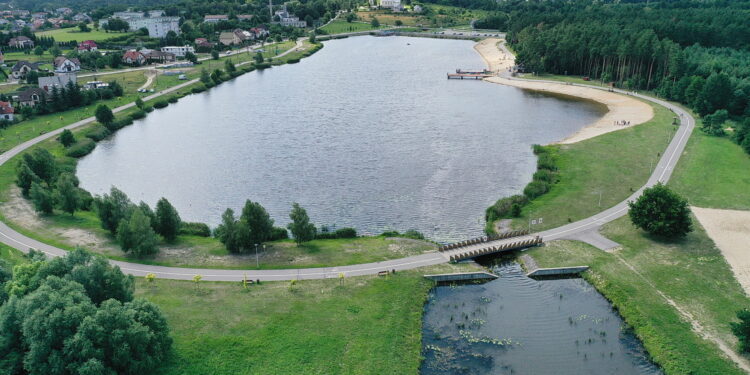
(519, 325)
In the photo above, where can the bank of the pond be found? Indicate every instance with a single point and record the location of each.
(678, 297)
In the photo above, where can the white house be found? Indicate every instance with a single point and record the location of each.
(215, 18)
(66, 65)
(288, 19)
(392, 4)
(179, 51)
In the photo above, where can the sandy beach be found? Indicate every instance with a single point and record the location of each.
(621, 108)
(730, 230)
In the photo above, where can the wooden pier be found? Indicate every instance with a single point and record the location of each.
(470, 74)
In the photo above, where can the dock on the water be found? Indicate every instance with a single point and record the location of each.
(470, 74)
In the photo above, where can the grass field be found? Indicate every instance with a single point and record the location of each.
(11, 255)
(341, 26)
(713, 172)
(613, 164)
(691, 272)
(73, 33)
(365, 325)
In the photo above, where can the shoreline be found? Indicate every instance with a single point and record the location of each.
(620, 107)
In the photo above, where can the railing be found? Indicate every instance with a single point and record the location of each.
(495, 249)
(479, 240)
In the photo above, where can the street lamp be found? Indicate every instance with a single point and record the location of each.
(257, 262)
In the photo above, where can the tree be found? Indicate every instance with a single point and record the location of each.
(258, 58)
(41, 197)
(215, 55)
(301, 228)
(135, 234)
(227, 231)
(139, 103)
(112, 208)
(55, 51)
(167, 220)
(375, 23)
(229, 66)
(205, 77)
(256, 226)
(350, 17)
(661, 212)
(32, 77)
(309, 20)
(83, 27)
(25, 177)
(66, 193)
(67, 138)
(104, 115)
(117, 24)
(216, 75)
(42, 163)
(399, 23)
(189, 56)
(741, 329)
(39, 50)
(713, 124)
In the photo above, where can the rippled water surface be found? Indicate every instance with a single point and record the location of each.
(366, 133)
(518, 325)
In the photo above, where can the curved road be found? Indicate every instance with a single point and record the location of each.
(661, 173)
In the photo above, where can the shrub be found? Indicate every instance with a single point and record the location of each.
(390, 233)
(545, 175)
(535, 189)
(411, 233)
(98, 133)
(137, 115)
(292, 61)
(160, 104)
(195, 229)
(278, 234)
(546, 161)
(172, 99)
(503, 207)
(346, 233)
(262, 66)
(148, 109)
(81, 148)
(198, 89)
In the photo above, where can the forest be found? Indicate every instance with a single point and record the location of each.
(693, 52)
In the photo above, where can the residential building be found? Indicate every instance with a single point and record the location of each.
(82, 17)
(39, 15)
(64, 11)
(133, 57)
(65, 65)
(229, 38)
(214, 18)
(59, 80)
(154, 21)
(21, 42)
(95, 85)
(259, 32)
(22, 68)
(87, 45)
(244, 17)
(6, 111)
(287, 19)
(391, 4)
(203, 43)
(178, 51)
(158, 56)
(32, 97)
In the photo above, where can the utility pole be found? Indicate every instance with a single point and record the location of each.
(257, 262)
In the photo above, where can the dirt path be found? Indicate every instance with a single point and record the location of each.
(696, 326)
(150, 76)
(622, 109)
(730, 230)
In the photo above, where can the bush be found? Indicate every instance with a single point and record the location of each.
(172, 99)
(81, 148)
(160, 104)
(198, 89)
(292, 61)
(98, 133)
(411, 233)
(346, 233)
(262, 66)
(278, 234)
(195, 229)
(137, 115)
(546, 161)
(545, 175)
(535, 189)
(503, 208)
(148, 108)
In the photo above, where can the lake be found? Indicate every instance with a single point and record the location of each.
(366, 133)
(518, 325)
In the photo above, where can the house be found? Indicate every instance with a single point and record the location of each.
(21, 42)
(133, 57)
(229, 38)
(391, 4)
(31, 97)
(65, 65)
(39, 15)
(59, 80)
(158, 56)
(37, 24)
(259, 32)
(214, 18)
(82, 17)
(87, 45)
(287, 19)
(245, 17)
(23, 67)
(178, 51)
(417, 9)
(64, 11)
(6, 111)
(95, 85)
(203, 43)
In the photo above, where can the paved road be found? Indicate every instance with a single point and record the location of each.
(584, 227)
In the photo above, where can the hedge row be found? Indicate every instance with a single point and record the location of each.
(339, 233)
(81, 148)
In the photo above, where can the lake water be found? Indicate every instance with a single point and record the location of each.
(367, 133)
(518, 325)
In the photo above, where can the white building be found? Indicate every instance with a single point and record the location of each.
(288, 19)
(179, 51)
(154, 21)
(392, 4)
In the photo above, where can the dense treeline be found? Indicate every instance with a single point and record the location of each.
(692, 52)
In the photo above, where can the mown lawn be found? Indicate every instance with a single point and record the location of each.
(341, 26)
(363, 325)
(691, 272)
(713, 172)
(73, 33)
(613, 164)
(11, 255)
